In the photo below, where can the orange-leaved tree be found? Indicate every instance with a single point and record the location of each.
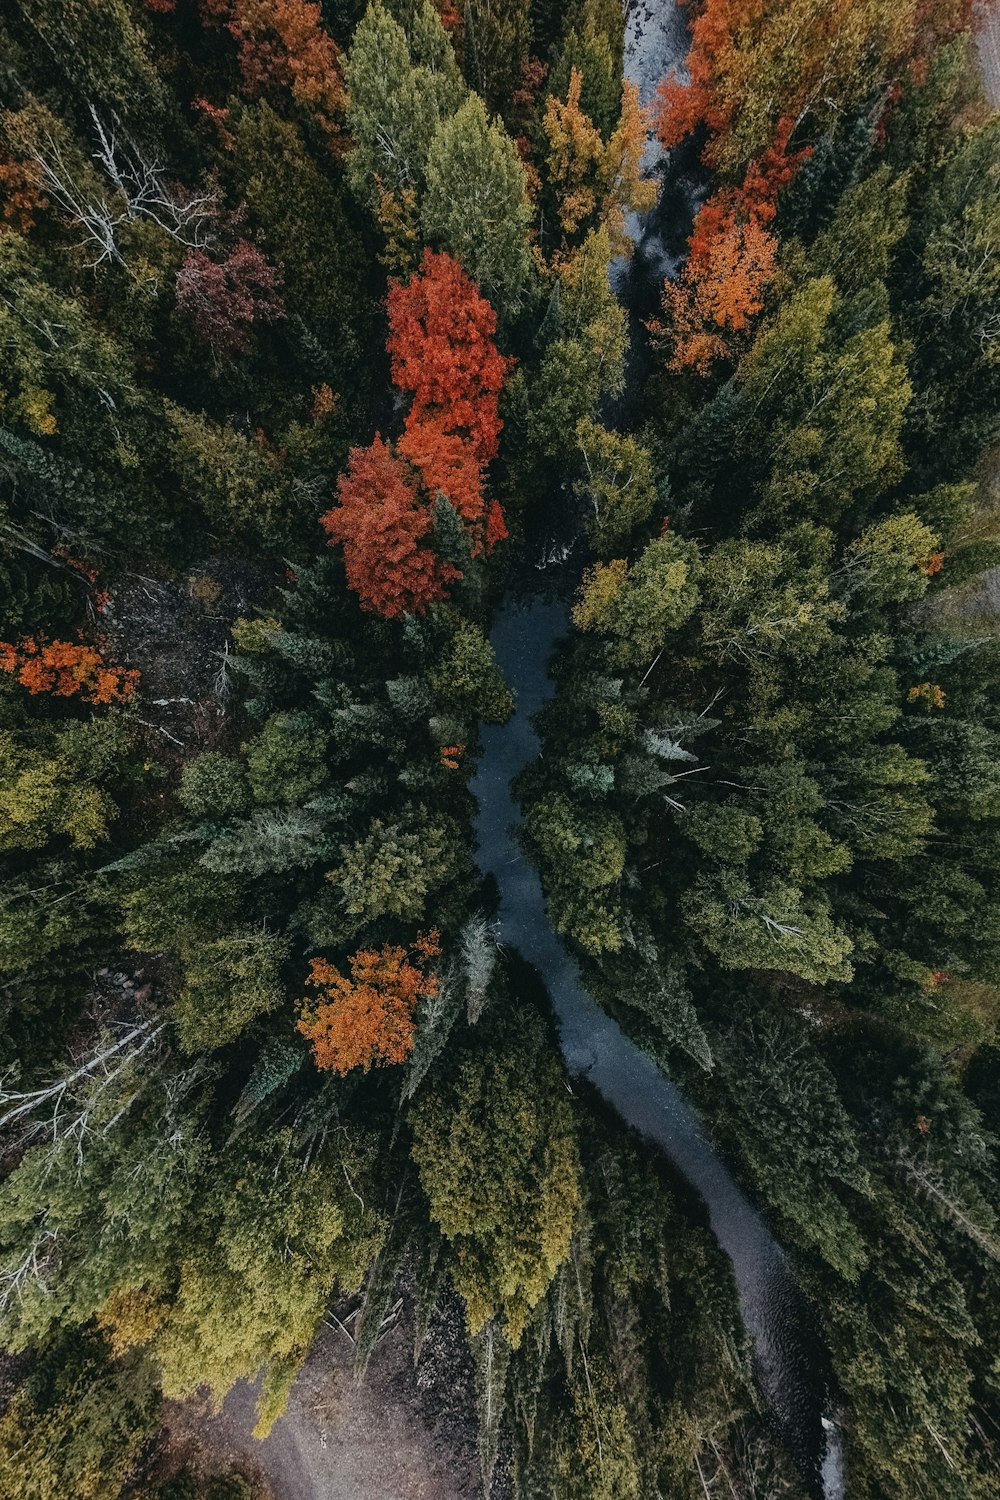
(716, 295)
(383, 523)
(67, 670)
(284, 44)
(752, 62)
(731, 258)
(368, 1019)
(441, 343)
(443, 353)
(447, 465)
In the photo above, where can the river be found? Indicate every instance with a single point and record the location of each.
(788, 1358)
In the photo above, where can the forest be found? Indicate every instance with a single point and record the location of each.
(340, 342)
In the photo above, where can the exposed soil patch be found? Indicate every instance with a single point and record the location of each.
(403, 1434)
(174, 628)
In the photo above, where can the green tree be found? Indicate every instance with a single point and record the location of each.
(468, 679)
(401, 87)
(227, 984)
(238, 481)
(255, 1282)
(393, 868)
(618, 484)
(634, 607)
(824, 413)
(78, 1425)
(101, 49)
(214, 786)
(493, 1140)
(496, 36)
(286, 763)
(47, 794)
(476, 204)
(583, 360)
(303, 227)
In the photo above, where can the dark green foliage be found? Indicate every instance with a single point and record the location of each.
(79, 1424)
(766, 815)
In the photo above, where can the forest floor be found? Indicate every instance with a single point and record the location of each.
(403, 1434)
(988, 40)
(174, 628)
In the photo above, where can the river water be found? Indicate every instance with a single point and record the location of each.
(789, 1361)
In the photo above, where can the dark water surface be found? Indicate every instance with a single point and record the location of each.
(788, 1360)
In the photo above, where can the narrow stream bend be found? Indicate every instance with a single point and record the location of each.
(524, 636)
(773, 1308)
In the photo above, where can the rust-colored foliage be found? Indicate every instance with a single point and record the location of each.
(451, 16)
(441, 343)
(446, 465)
(496, 526)
(442, 351)
(683, 106)
(67, 670)
(382, 523)
(441, 332)
(367, 1019)
(731, 259)
(283, 44)
(225, 300)
(21, 196)
(928, 694)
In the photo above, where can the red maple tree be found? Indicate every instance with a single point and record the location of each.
(443, 353)
(367, 1019)
(447, 465)
(223, 301)
(382, 522)
(441, 343)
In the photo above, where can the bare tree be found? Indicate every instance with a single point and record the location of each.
(138, 190)
(68, 1107)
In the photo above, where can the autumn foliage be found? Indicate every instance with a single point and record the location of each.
(717, 293)
(441, 345)
(283, 44)
(382, 522)
(732, 256)
(67, 670)
(593, 181)
(224, 301)
(752, 62)
(367, 1019)
(441, 332)
(21, 196)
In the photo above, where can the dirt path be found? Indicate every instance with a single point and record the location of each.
(399, 1436)
(988, 42)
